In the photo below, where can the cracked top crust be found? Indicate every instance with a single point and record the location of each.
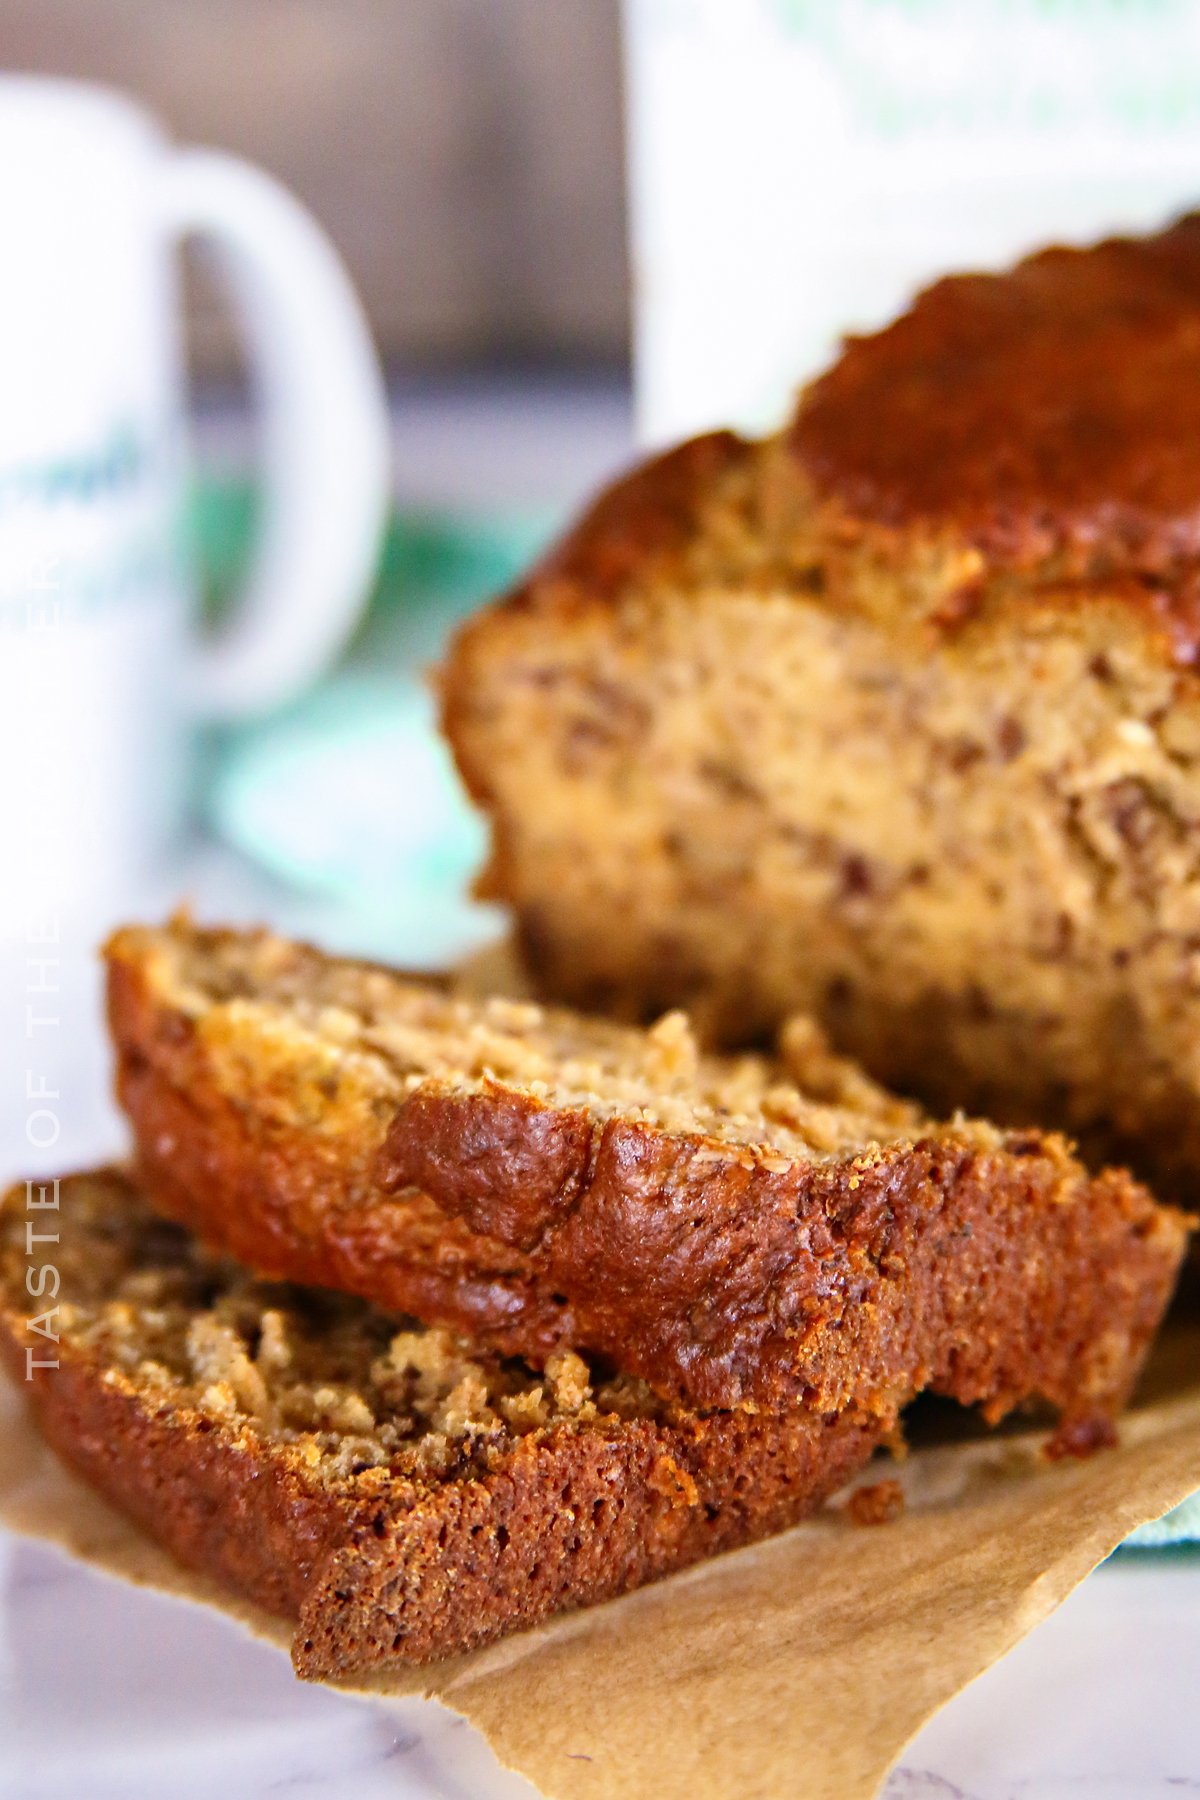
(1051, 409)
(1023, 435)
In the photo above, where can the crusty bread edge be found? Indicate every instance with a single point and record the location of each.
(407, 1573)
(608, 1233)
(268, 1198)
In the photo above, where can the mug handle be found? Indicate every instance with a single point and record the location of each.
(324, 432)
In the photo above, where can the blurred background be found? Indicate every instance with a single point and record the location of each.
(466, 159)
(578, 229)
(467, 155)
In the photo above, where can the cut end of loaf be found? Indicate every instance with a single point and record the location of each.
(894, 719)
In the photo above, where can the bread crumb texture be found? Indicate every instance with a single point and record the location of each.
(341, 1386)
(396, 1495)
(335, 1044)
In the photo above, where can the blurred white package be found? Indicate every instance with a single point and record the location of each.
(799, 168)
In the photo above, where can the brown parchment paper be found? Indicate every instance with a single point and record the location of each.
(800, 1667)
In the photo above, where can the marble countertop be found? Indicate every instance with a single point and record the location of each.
(118, 1694)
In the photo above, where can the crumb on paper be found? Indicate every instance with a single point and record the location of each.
(877, 1504)
(1081, 1437)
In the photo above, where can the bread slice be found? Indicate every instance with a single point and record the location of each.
(895, 717)
(737, 1231)
(398, 1495)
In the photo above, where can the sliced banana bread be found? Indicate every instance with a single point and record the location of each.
(738, 1231)
(398, 1495)
(894, 718)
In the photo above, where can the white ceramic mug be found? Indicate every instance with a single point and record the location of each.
(103, 673)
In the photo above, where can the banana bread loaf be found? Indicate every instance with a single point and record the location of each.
(738, 1231)
(398, 1495)
(894, 718)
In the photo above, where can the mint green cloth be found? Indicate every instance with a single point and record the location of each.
(352, 796)
(1182, 1526)
(435, 566)
(349, 794)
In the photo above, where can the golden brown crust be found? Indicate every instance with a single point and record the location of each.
(989, 1268)
(569, 1522)
(1016, 431)
(642, 521)
(190, 1483)
(303, 1209)
(397, 1570)
(1046, 409)
(1038, 422)
(990, 1272)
